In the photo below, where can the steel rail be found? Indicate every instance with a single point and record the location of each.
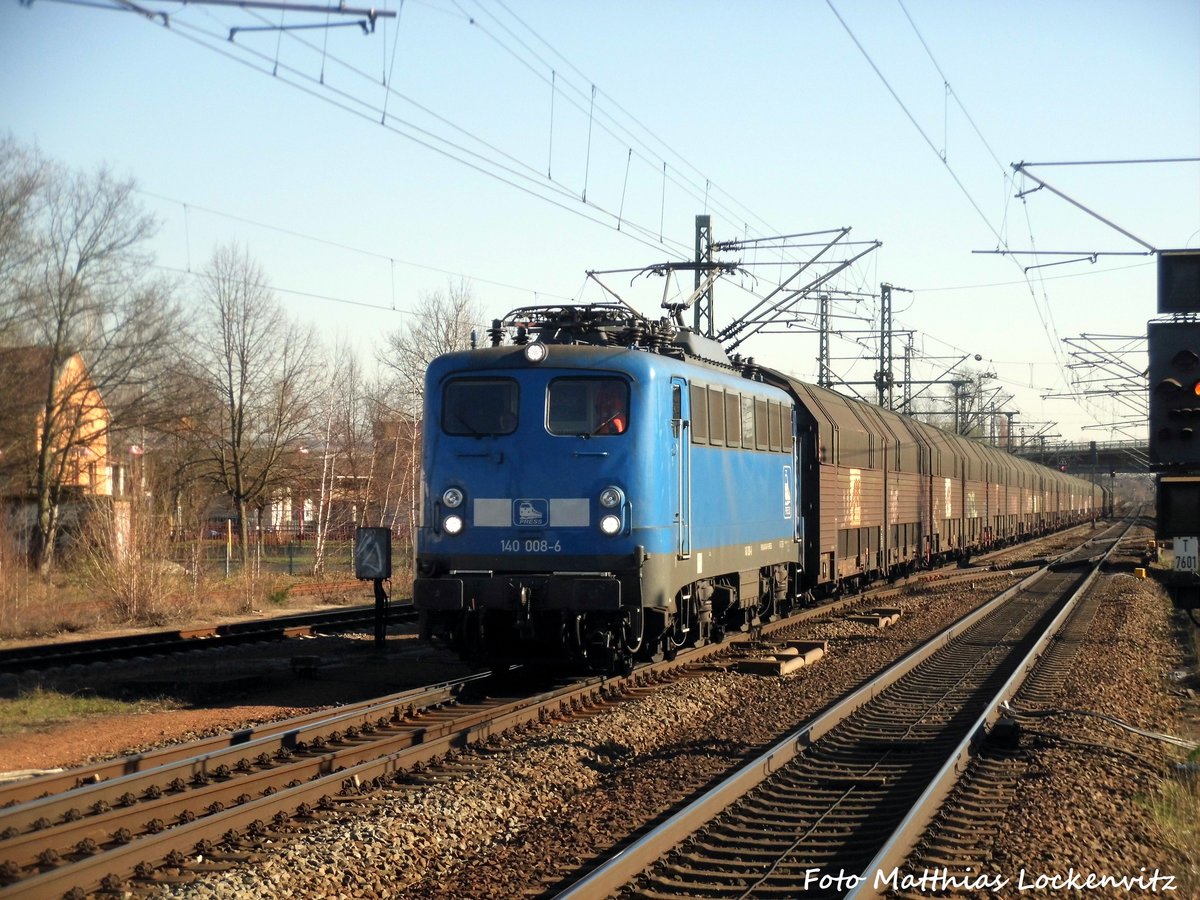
(637, 856)
(38, 786)
(381, 757)
(170, 847)
(897, 848)
(384, 756)
(46, 656)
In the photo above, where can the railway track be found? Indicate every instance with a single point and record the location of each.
(164, 815)
(55, 655)
(161, 643)
(846, 795)
(956, 844)
(148, 818)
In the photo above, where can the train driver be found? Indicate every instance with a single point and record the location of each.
(611, 416)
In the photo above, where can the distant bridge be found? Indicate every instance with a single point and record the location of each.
(1123, 457)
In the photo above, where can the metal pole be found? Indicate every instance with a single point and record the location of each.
(824, 377)
(883, 378)
(703, 310)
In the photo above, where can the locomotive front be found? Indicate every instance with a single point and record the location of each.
(531, 472)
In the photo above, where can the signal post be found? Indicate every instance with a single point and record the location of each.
(1174, 404)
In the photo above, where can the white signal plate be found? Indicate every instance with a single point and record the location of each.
(1187, 549)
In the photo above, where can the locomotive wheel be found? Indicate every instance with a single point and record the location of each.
(471, 637)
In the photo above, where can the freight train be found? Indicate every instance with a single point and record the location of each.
(600, 487)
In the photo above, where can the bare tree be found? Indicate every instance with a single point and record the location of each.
(100, 329)
(23, 176)
(347, 456)
(258, 366)
(964, 406)
(441, 323)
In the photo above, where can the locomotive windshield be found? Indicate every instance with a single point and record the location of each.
(480, 406)
(588, 406)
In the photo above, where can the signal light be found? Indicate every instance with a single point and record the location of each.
(1174, 350)
(1186, 360)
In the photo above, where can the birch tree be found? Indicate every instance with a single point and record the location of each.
(347, 455)
(258, 365)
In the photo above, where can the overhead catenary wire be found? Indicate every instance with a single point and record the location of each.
(1046, 318)
(374, 254)
(533, 180)
(735, 213)
(358, 107)
(595, 112)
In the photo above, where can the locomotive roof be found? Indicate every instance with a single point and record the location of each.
(637, 362)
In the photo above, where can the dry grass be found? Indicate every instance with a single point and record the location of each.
(103, 584)
(1177, 811)
(32, 606)
(41, 708)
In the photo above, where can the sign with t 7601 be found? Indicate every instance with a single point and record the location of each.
(1186, 554)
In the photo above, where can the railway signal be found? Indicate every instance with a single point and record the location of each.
(1174, 349)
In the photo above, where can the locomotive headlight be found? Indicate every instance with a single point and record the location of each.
(611, 497)
(535, 352)
(452, 498)
(452, 524)
(610, 525)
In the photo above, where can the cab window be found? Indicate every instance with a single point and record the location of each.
(588, 406)
(480, 406)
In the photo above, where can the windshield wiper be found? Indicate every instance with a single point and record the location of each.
(467, 425)
(606, 423)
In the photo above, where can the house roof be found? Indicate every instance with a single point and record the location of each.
(23, 384)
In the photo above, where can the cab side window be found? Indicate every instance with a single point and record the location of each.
(588, 406)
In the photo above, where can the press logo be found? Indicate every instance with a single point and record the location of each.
(531, 513)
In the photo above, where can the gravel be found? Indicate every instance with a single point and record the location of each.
(522, 812)
(1089, 796)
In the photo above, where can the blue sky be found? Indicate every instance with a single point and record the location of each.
(768, 108)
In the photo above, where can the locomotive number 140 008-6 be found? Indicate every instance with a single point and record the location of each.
(530, 545)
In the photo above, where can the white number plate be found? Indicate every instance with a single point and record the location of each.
(1186, 553)
(530, 545)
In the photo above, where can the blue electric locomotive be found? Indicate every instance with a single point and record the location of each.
(603, 488)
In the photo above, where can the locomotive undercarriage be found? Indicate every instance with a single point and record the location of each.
(612, 640)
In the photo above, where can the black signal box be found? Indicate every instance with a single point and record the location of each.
(1179, 281)
(372, 553)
